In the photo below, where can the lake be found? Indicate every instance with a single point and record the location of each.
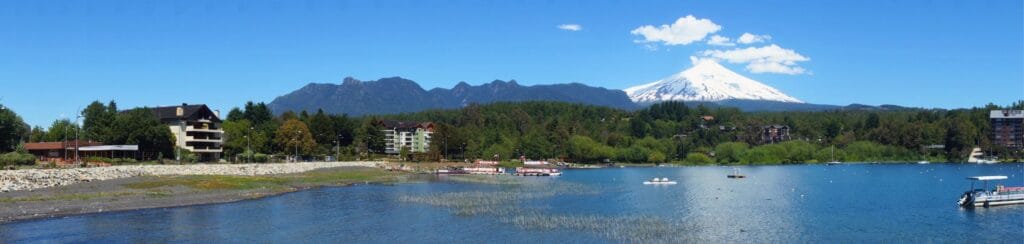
(793, 203)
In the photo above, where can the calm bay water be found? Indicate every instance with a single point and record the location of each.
(799, 203)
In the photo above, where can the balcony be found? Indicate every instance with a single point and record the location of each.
(200, 129)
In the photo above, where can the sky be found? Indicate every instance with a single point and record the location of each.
(57, 56)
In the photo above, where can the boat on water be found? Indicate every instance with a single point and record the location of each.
(923, 162)
(484, 170)
(736, 174)
(981, 197)
(450, 171)
(833, 162)
(524, 171)
(659, 181)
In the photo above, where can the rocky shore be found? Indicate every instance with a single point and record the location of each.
(31, 179)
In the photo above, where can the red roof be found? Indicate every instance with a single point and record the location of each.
(57, 145)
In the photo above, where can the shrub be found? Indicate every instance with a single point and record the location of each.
(698, 158)
(16, 158)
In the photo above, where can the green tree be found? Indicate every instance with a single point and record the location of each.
(139, 127)
(293, 134)
(60, 130)
(13, 130)
(98, 121)
(373, 137)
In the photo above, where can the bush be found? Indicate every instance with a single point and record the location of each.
(16, 158)
(698, 158)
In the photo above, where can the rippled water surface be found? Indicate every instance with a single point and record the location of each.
(801, 203)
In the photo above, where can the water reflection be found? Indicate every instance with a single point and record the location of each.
(805, 203)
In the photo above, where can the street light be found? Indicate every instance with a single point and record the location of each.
(77, 130)
(296, 141)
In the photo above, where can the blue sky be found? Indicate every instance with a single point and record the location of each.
(57, 56)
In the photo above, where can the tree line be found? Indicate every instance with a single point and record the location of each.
(661, 133)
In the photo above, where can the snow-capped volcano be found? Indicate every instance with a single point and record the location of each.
(706, 81)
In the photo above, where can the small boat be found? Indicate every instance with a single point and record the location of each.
(981, 197)
(484, 170)
(834, 162)
(661, 181)
(736, 174)
(523, 171)
(450, 171)
(923, 162)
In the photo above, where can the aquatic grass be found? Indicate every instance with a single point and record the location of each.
(507, 205)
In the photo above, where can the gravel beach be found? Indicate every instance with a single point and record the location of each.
(31, 179)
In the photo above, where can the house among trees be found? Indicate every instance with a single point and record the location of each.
(774, 134)
(1007, 128)
(403, 134)
(196, 128)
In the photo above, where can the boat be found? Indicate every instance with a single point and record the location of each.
(450, 171)
(484, 170)
(834, 156)
(661, 181)
(978, 156)
(736, 174)
(923, 162)
(524, 171)
(981, 197)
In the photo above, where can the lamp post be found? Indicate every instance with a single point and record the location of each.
(337, 149)
(77, 130)
(296, 141)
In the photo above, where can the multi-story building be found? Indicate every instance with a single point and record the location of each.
(196, 128)
(1007, 128)
(412, 135)
(774, 134)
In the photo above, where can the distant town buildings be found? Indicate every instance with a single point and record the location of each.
(774, 134)
(413, 135)
(1007, 128)
(195, 127)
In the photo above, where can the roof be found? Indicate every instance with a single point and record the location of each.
(190, 112)
(394, 124)
(110, 148)
(988, 177)
(1006, 114)
(57, 145)
(775, 126)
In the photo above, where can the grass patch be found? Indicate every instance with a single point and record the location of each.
(211, 182)
(226, 182)
(64, 197)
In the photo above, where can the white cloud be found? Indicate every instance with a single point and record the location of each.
(720, 41)
(766, 59)
(684, 31)
(570, 27)
(748, 38)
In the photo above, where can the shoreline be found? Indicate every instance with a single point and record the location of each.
(150, 192)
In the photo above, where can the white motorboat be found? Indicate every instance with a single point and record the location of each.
(659, 181)
(982, 197)
(923, 162)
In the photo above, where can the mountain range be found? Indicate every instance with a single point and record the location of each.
(707, 83)
(399, 95)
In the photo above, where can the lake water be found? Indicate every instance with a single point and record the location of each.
(798, 203)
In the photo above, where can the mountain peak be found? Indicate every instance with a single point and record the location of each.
(706, 81)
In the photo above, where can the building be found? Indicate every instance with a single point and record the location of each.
(58, 151)
(412, 135)
(774, 134)
(196, 128)
(1007, 128)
